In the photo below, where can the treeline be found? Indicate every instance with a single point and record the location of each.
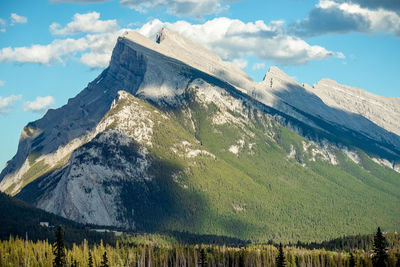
(349, 243)
(20, 252)
(191, 239)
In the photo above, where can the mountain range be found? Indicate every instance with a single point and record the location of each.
(171, 137)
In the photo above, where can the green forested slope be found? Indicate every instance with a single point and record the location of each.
(260, 193)
(240, 173)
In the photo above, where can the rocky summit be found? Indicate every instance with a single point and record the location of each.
(171, 137)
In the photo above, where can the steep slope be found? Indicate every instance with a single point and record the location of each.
(383, 111)
(307, 99)
(177, 139)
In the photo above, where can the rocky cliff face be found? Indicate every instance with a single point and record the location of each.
(51, 139)
(170, 137)
(383, 111)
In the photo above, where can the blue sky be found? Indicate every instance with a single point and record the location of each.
(51, 49)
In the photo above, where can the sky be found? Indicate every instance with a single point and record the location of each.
(51, 49)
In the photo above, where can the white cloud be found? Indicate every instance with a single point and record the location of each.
(2, 83)
(100, 47)
(195, 8)
(94, 50)
(85, 23)
(43, 54)
(40, 104)
(393, 5)
(15, 18)
(348, 16)
(178, 7)
(7, 103)
(233, 39)
(258, 66)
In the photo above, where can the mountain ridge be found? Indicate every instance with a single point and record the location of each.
(153, 141)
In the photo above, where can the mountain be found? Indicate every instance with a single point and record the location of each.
(170, 137)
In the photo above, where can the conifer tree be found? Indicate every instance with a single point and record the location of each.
(241, 259)
(352, 261)
(203, 258)
(280, 260)
(90, 261)
(74, 263)
(104, 262)
(59, 249)
(380, 255)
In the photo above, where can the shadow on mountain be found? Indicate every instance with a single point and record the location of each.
(337, 134)
(143, 204)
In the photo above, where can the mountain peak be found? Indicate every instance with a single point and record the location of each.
(165, 33)
(173, 45)
(274, 73)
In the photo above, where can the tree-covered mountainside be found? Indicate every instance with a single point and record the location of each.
(251, 178)
(168, 142)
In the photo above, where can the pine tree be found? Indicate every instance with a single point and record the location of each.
(90, 261)
(242, 262)
(59, 249)
(280, 260)
(203, 258)
(380, 255)
(352, 261)
(74, 263)
(104, 262)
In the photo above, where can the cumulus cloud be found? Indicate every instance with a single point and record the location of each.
(100, 47)
(348, 16)
(40, 104)
(6, 103)
(233, 40)
(85, 23)
(15, 18)
(178, 7)
(258, 66)
(43, 54)
(2, 83)
(94, 50)
(393, 5)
